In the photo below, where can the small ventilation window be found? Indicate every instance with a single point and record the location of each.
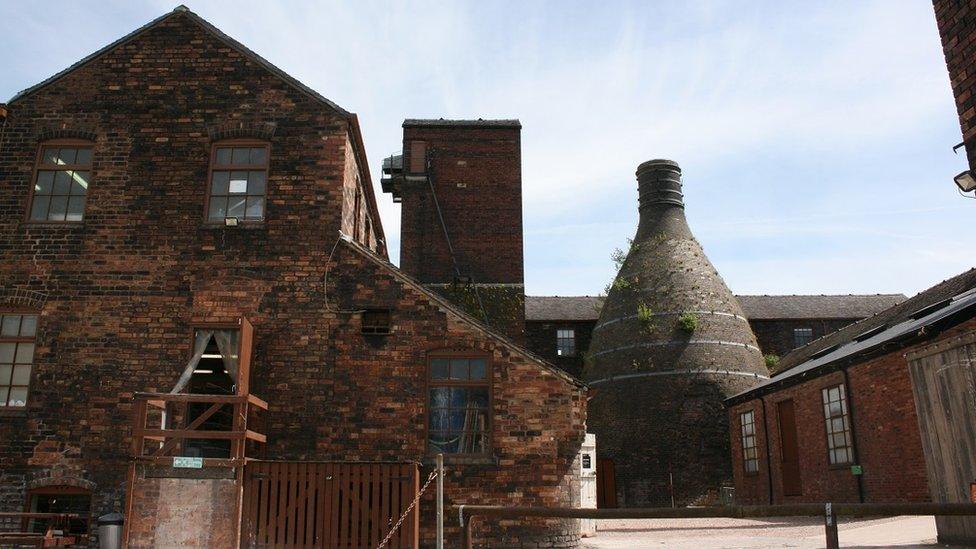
(868, 334)
(825, 350)
(376, 322)
(926, 311)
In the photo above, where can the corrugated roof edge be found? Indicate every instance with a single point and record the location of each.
(903, 334)
(475, 323)
(444, 122)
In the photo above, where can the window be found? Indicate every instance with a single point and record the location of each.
(16, 357)
(238, 181)
(839, 445)
(802, 336)
(60, 499)
(376, 322)
(458, 419)
(61, 182)
(565, 342)
(750, 459)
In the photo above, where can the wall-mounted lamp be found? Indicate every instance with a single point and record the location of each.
(231, 221)
(966, 182)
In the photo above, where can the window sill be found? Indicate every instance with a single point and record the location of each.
(461, 460)
(52, 224)
(241, 226)
(15, 412)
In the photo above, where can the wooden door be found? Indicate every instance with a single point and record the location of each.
(789, 449)
(606, 484)
(335, 505)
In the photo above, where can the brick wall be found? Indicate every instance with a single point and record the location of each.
(776, 336)
(885, 430)
(126, 288)
(957, 27)
(541, 338)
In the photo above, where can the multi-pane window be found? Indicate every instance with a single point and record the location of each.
(839, 445)
(458, 420)
(16, 357)
(750, 459)
(238, 182)
(802, 336)
(61, 182)
(565, 342)
(376, 321)
(60, 499)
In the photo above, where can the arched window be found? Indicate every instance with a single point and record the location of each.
(61, 178)
(238, 181)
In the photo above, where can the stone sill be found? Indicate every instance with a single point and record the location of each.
(461, 460)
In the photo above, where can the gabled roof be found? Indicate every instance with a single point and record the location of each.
(756, 307)
(185, 12)
(924, 315)
(454, 309)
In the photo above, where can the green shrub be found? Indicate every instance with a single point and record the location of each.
(771, 361)
(644, 314)
(688, 322)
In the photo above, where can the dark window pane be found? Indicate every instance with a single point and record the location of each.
(258, 155)
(76, 208)
(50, 156)
(10, 326)
(84, 156)
(221, 181)
(45, 183)
(459, 368)
(218, 208)
(21, 375)
(28, 326)
(5, 371)
(62, 182)
(446, 443)
(440, 397)
(67, 156)
(255, 182)
(79, 183)
(235, 207)
(479, 368)
(241, 156)
(438, 419)
(25, 353)
(59, 207)
(255, 208)
(6, 357)
(238, 183)
(223, 156)
(39, 208)
(478, 397)
(439, 368)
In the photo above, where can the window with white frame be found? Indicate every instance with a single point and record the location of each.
(565, 342)
(839, 446)
(750, 457)
(802, 336)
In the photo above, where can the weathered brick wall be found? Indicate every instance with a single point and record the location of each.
(957, 27)
(541, 338)
(776, 336)
(885, 429)
(126, 287)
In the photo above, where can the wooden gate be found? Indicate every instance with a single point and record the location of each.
(331, 505)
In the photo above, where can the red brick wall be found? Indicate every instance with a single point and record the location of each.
(885, 431)
(957, 26)
(483, 216)
(126, 287)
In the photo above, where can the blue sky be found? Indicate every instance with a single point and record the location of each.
(815, 137)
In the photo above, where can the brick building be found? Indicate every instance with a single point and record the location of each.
(151, 204)
(956, 20)
(559, 328)
(839, 422)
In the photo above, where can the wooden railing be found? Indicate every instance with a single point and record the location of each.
(193, 425)
(55, 535)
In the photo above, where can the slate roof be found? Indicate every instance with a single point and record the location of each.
(922, 316)
(756, 307)
(438, 122)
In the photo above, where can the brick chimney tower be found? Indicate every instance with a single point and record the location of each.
(670, 345)
(460, 186)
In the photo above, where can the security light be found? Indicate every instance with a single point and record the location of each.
(231, 221)
(966, 181)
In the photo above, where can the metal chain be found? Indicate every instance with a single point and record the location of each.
(433, 475)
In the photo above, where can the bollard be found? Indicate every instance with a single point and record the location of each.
(830, 527)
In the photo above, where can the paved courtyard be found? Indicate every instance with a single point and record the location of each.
(799, 532)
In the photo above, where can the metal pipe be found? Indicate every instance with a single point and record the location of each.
(850, 417)
(830, 528)
(440, 501)
(769, 462)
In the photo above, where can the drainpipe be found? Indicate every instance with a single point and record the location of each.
(3, 123)
(850, 416)
(769, 461)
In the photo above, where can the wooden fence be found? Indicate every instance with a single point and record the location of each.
(336, 505)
